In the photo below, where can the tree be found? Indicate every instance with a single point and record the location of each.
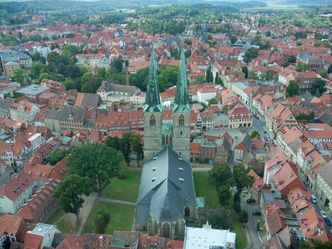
(315, 244)
(209, 74)
(245, 71)
(250, 54)
(90, 82)
(70, 193)
(242, 180)
(18, 75)
(301, 67)
(101, 220)
(220, 218)
(213, 101)
(98, 162)
(233, 39)
(220, 175)
(57, 155)
(224, 194)
(126, 146)
(137, 148)
(140, 78)
(318, 87)
(255, 134)
(243, 217)
(292, 89)
(167, 77)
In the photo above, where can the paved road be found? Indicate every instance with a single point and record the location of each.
(85, 210)
(255, 240)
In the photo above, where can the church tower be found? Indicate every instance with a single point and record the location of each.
(181, 113)
(152, 113)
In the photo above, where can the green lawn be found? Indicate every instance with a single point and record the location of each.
(241, 240)
(204, 188)
(123, 189)
(64, 225)
(122, 217)
(56, 216)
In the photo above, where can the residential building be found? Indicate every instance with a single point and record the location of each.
(166, 195)
(110, 92)
(69, 118)
(40, 237)
(323, 185)
(41, 203)
(13, 227)
(257, 185)
(5, 105)
(207, 237)
(24, 110)
(240, 117)
(313, 226)
(32, 92)
(15, 193)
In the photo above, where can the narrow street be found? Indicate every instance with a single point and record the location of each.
(255, 240)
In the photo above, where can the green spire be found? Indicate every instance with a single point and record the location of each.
(181, 102)
(152, 99)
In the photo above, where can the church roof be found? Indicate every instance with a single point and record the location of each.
(152, 99)
(166, 188)
(181, 101)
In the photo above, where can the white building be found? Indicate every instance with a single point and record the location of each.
(36, 140)
(207, 238)
(44, 233)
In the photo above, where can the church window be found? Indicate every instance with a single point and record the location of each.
(152, 120)
(166, 230)
(181, 120)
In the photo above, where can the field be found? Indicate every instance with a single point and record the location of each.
(123, 189)
(122, 217)
(205, 189)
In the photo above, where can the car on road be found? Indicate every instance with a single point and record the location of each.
(327, 221)
(313, 199)
(323, 214)
(250, 200)
(256, 213)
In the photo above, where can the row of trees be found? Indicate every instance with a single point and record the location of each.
(130, 145)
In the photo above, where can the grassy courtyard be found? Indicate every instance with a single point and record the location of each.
(122, 217)
(60, 219)
(204, 188)
(123, 189)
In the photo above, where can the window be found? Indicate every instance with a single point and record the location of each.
(181, 120)
(152, 120)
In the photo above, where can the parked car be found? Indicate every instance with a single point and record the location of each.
(251, 200)
(256, 213)
(323, 214)
(313, 199)
(327, 221)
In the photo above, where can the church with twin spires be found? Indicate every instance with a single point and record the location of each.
(159, 133)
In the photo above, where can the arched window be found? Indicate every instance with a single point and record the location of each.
(181, 120)
(152, 120)
(163, 140)
(166, 230)
(187, 212)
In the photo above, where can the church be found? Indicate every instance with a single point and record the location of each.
(166, 200)
(157, 132)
